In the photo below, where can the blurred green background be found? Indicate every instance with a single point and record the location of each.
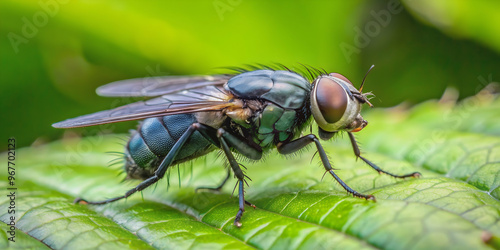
(53, 54)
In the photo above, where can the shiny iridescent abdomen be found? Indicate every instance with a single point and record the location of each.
(155, 137)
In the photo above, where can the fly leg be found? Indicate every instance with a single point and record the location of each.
(358, 154)
(226, 140)
(218, 188)
(297, 144)
(159, 173)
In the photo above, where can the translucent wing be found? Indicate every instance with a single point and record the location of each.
(207, 98)
(157, 86)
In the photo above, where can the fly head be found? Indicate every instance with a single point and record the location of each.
(336, 104)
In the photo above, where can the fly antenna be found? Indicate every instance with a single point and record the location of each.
(364, 78)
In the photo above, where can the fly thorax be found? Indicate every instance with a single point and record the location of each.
(240, 116)
(213, 119)
(274, 124)
(244, 113)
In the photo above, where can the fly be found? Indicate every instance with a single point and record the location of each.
(250, 113)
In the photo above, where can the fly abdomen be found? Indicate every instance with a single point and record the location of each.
(154, 139)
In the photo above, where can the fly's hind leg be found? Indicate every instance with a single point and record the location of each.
(217, 137)
(297, 144)
(357, 152)
(159, 173)
(218, 188)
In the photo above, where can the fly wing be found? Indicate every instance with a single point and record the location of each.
(209, 98)
(157, 86)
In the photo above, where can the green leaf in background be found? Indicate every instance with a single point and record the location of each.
(474, 20)
(455, 205)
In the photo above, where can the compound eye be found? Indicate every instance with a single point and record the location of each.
(337, 75)
(332, 99)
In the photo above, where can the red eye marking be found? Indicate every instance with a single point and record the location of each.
(337, 75)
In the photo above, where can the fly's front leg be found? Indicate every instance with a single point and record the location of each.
(358, 154)
(295, 145)
(159, 173)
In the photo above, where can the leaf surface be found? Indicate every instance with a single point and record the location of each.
(455, 205)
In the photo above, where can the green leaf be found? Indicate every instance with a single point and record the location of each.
(463, 19)
(455, 205)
